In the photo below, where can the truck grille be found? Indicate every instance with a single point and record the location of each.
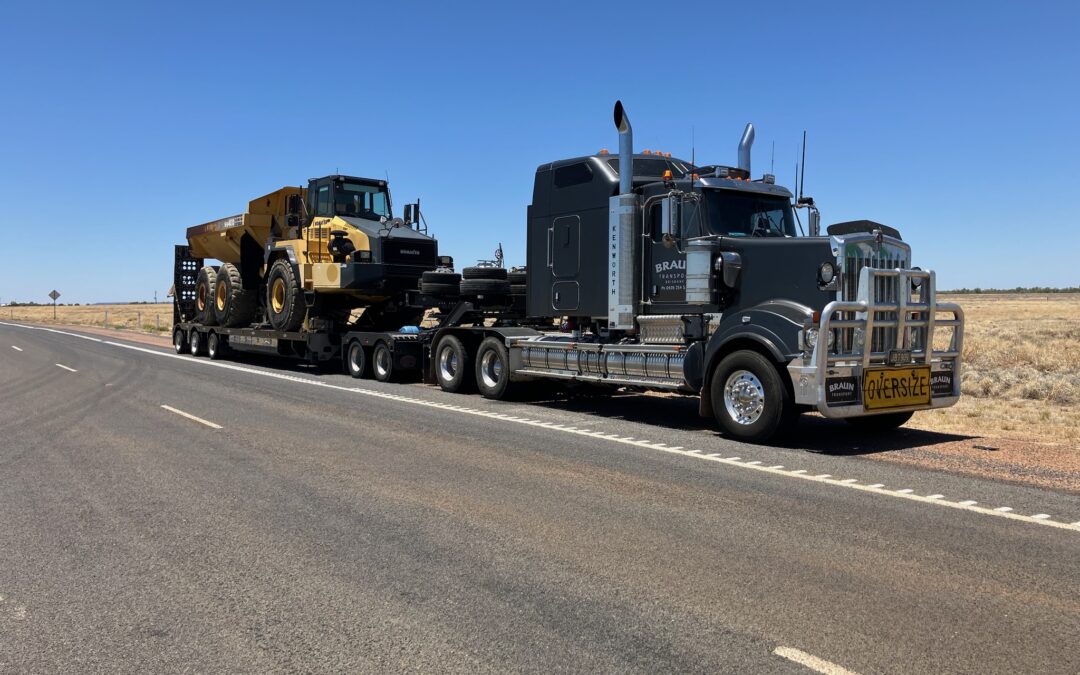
(886, 290)
(409, 252)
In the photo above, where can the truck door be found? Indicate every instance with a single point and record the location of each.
(664, 268)
(564, 241)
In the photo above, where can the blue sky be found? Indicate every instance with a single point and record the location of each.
(123, 124)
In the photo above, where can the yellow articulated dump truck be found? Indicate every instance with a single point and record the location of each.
(295, 268)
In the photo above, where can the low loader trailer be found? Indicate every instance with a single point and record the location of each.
(648, 272)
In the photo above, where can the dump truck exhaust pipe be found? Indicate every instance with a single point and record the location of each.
(626, 150)
(744, 147)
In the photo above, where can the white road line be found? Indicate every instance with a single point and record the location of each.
(66, 368)
(1041, 516)
(968, 502)
(18, 349)
(1003, 509)
(905, 491)
(799, 474)
(935, 496)
(191, 417)
(814, 663)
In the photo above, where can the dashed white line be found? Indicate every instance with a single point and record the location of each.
(1001, 512)
(935, 496)
(18, 349)
(905, 491)
(191, 417)
(60, 365)
(968, 502)
(814, 663)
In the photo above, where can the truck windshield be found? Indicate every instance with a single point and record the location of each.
(733, 213)
(361, 201)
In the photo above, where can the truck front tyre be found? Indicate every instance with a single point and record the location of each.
(879, 424)
(382, 363)
(233, 305)
(493, 369)
(452, 368)
(204, 296)
(356, 360)
(749, 399)
(284, 299)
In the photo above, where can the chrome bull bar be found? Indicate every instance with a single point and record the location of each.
(915, 323)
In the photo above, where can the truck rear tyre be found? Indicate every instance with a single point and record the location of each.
(452, 366)
(215, 346)
(493, 369)
(179, 340)
(879, 424)
(485, 287)
(284, 299)
(382, 363)
(195, 343)
(356, 361)
(233, 305)
(749, 399)
(204, 296)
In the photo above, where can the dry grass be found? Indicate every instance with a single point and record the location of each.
(146, 318)
(1021, 373)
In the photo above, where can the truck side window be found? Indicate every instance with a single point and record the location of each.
(322, 208)
(655, 229)
(573, 174)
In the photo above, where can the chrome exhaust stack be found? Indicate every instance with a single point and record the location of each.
(622, 213)
(744, 147)
(626, 150)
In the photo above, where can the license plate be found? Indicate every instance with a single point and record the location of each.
(896, 387)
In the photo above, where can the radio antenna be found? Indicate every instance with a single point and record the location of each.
(772, 159)
(693, 157)
(802, 177)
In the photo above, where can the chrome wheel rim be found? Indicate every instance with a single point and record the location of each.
(356, 358)
(744, 397)
(382, 361)
(178, 341)
(491, 368)
(193, 341)
(448, 364)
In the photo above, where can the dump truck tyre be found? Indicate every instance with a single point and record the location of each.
(204, 296)
(284, 299)
(749, 399)
(233, 305)
(453, 368)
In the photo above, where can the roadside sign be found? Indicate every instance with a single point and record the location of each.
(55, 295)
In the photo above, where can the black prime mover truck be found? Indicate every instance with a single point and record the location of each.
(645, 271)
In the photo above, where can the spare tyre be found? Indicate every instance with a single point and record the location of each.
(498, 273)
(516, 278)
(485, 287)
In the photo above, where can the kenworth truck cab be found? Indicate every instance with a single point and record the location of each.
(670, 276)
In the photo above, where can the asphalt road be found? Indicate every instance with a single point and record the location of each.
(273, 518)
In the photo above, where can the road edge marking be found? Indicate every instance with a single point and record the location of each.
(814, 663)
(60, 365)
(191, 417)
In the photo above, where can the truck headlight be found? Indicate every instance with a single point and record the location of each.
(810, 338)
(826, 273)
(916, 282)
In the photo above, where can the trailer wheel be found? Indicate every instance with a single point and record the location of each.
(750, 401)
(284, 300)
(179, 340)
(493, 369)
(195, 342)
(356, 360)
(879, 424)
(215, 346)
(452, 366)
(382, 363)
(233, 305)
(204, 296)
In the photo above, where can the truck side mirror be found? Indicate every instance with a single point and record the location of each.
(670, 220)
(815, 223)
(408, 214)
